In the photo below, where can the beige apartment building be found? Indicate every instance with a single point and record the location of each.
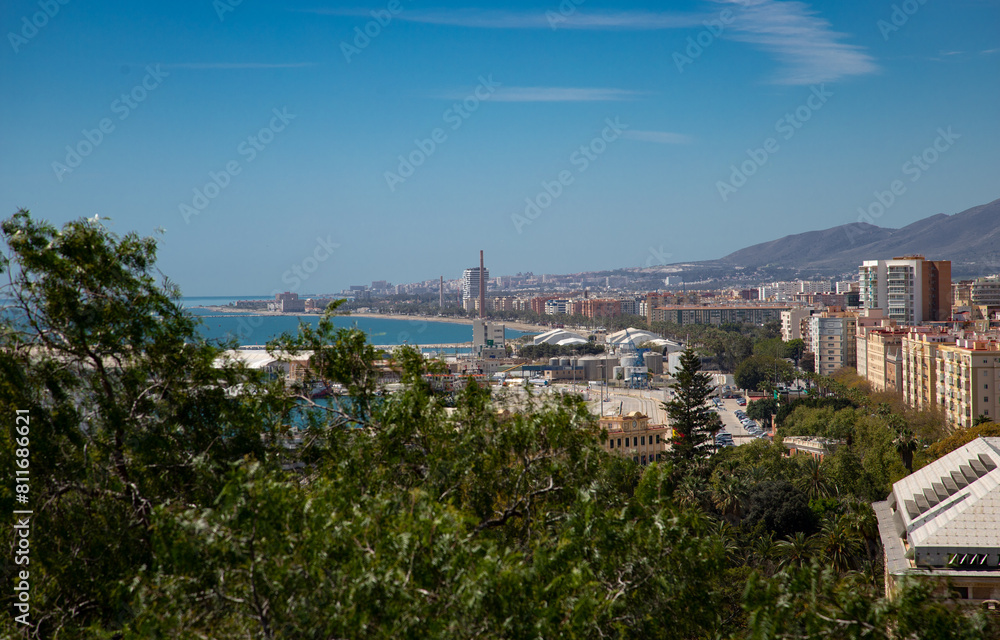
(968, 374)
(920, 365)
(632, 436)
(868, 321)
(883, 353)
(791, 323)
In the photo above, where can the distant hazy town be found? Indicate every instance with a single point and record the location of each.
(901, 323)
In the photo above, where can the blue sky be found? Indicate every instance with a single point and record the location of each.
(269, 139)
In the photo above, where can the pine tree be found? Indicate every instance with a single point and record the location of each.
(692, 421)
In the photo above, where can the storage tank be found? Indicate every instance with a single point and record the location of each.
(564, 362)
(654, 361)
(629, 361)
(553, 362)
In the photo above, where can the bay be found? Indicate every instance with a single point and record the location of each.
(254, 329)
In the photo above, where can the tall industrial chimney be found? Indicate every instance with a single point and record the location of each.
(482, 287)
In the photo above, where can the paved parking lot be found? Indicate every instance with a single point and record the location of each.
(732, 423)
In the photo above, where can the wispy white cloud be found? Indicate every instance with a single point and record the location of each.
(239, 65)
(494, 19)
(987, 52)
(951, 53)
(660, 137)
(805, 46)
(556, 94)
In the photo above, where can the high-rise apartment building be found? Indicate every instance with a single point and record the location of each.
(833, 342)
(909, 289)
(470, 282)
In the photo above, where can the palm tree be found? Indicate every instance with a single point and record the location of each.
(728, 497)
(763, 550)
(839, 543)
(692, 492)
(814, 483)
(795, 551)
(861, 519)
(720, 529)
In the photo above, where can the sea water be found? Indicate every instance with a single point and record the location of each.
(252, 329)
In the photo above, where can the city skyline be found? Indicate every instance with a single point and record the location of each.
(269, 139)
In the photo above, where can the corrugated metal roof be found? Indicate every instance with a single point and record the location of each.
(952, 506)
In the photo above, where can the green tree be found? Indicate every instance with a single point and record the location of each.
(796, 550)
(762, 410)
(814, 603)
(794, 350)
(691, 420)
(128, 410)
(814, 480)
(780, 508)
(756, 371)
(807, 362)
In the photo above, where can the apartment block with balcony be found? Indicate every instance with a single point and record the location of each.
(719, 314)
(833, 341)
(883, 355)
(470, 283)
(601, 308)
(909, 289)
(558, 307)
(986, 291)
(968, 374)
(920, 366)
(869, 320)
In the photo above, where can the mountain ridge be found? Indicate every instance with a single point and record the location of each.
(970, 239)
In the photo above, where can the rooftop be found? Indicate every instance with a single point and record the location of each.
(947, 513)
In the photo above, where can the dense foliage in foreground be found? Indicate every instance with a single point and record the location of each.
(167, 506)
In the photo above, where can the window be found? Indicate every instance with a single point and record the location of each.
(611, 443)
(643, 439)
(619, 443)
(635, 441)
(657, 439)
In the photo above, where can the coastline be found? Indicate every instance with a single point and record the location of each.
(517, 326)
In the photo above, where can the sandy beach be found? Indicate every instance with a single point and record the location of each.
(517, 326)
